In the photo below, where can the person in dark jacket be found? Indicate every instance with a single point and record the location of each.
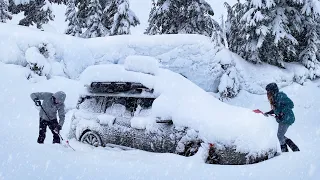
(282, 107)
(52, 103)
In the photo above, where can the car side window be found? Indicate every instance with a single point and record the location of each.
(92, 104)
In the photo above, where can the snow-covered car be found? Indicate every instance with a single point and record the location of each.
(139, 105)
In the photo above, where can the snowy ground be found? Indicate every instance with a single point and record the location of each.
(22, 158)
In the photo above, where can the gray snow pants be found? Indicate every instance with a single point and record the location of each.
(282, 129)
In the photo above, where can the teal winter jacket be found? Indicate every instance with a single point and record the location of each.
(283, 108)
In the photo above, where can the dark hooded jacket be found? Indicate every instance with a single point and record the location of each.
(282, 105)
(50, 106)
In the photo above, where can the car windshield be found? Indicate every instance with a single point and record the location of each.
(113, 105)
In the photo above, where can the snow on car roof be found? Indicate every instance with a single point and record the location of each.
(115, 73)
(189, 105)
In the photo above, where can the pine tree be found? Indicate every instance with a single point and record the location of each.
(217, 34)
(194, 17)
(123, 19)
(161, 18)
(118, 17)
(59, 1)
(45, 14)
(230, 83)
(234, 28)
(94, 24)
(180, 16)
(309, 38)
(37, 12)
(83, 12)
(4, 13)
(108, 14)
(71, 16)
(269, 30)
(153, 8)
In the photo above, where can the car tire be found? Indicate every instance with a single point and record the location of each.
(91, 138)
(191, 148)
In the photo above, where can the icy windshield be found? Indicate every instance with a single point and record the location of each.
(105, 104)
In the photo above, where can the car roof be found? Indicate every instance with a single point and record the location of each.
(115, 73)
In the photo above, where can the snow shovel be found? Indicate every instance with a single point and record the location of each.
(66, 142)
(258, 111)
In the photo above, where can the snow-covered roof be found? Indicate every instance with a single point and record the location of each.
(115, 73)
(189, 105)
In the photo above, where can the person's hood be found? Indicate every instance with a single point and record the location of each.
(273, 88)
(60, 97)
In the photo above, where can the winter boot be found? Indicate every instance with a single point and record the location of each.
(284, 148)
(292, 145)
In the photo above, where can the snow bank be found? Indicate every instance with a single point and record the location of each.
(186, 54)
(37, 61)
(193, 56)
(144, 64)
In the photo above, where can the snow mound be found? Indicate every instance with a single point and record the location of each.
(114, 73)
(144, 64)
(193, 56)
(106, 119)
(141, 122)
(37, 60)
(33, 56)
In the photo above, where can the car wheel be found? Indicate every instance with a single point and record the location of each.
(191, 148)
(91, 138)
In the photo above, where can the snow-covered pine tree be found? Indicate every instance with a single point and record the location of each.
(180, 16)
(94, 24)
(193, 14)
(118, 17)
(161, 18)
(123, 19)
(37, 12)
(108, 14)
(83, 11)
(45, 14)
(228, 78)
(4, 13)
(73, 23)
(235, 36)
(309, 38)
(216, 34)
(256, 28)
(59, 1)
(230, 84)
(16, 8)
(153, 8)
(269, 31)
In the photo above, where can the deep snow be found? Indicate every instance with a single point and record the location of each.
(193, 56)
(22, 158)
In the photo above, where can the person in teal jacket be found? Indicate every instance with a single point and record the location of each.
(281, 107)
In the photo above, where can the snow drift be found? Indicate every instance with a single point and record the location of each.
(193, 56)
